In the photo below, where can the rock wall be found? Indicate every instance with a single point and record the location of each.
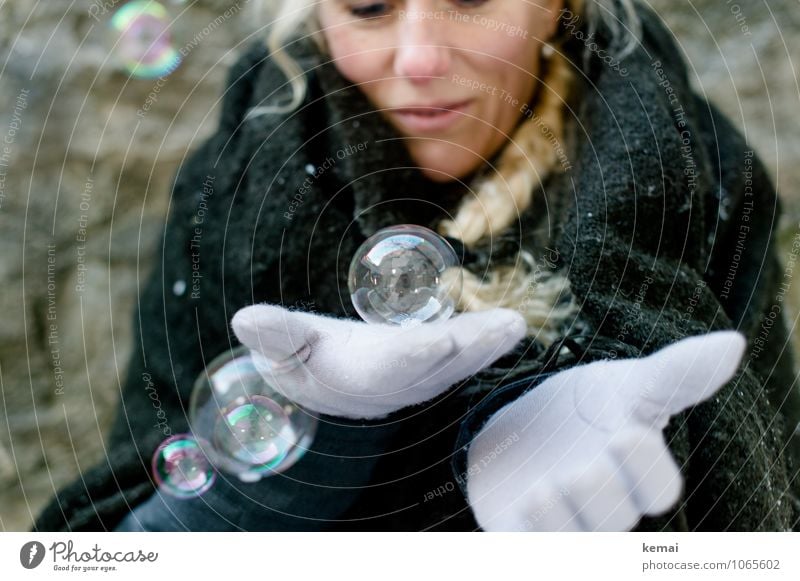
(90, 156)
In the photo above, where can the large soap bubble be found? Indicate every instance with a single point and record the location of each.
(405, 275)
(251, 429)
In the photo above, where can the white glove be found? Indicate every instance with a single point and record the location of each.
(584, 451)
(357, 370)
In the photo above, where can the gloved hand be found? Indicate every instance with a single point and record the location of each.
(584, 450)
(353, 369)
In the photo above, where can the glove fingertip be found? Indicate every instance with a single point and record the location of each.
(247, 319)
(270, 330)
(243, 325)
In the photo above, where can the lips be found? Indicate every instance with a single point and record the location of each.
(431, 117)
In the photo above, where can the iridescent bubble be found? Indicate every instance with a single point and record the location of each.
(252, 429)
(145, 41)
(180, 467)
(255, 431)
(405, 275)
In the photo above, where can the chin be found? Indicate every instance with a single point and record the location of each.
(445, 164)
(438, 175)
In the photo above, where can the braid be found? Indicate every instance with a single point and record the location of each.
(530, 157)
(535, 290)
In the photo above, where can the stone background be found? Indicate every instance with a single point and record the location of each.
(81, 157)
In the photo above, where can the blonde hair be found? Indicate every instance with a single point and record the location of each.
(540, 293)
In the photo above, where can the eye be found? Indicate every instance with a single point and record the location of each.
(470, 3)
(371, 10)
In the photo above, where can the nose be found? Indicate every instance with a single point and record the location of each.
(421, 53)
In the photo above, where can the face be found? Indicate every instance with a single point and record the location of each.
(453, 76)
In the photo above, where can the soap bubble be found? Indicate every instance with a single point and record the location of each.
(180, 467)
(405, 275)
(252, 430)
(145, 41)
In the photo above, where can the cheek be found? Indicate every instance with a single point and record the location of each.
(509, 57)
(349, 57)
(512, 68)
(510, 39)
(360, 56)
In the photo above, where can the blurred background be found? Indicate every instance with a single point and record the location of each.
(88, 151)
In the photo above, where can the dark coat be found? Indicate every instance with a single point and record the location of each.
(648, 225)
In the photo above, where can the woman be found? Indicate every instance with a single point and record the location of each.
(593, 379)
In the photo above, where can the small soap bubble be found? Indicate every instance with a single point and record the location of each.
(145, 46)
(405, 275)
(180, 467)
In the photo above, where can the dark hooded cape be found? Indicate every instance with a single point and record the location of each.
(664, 225)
